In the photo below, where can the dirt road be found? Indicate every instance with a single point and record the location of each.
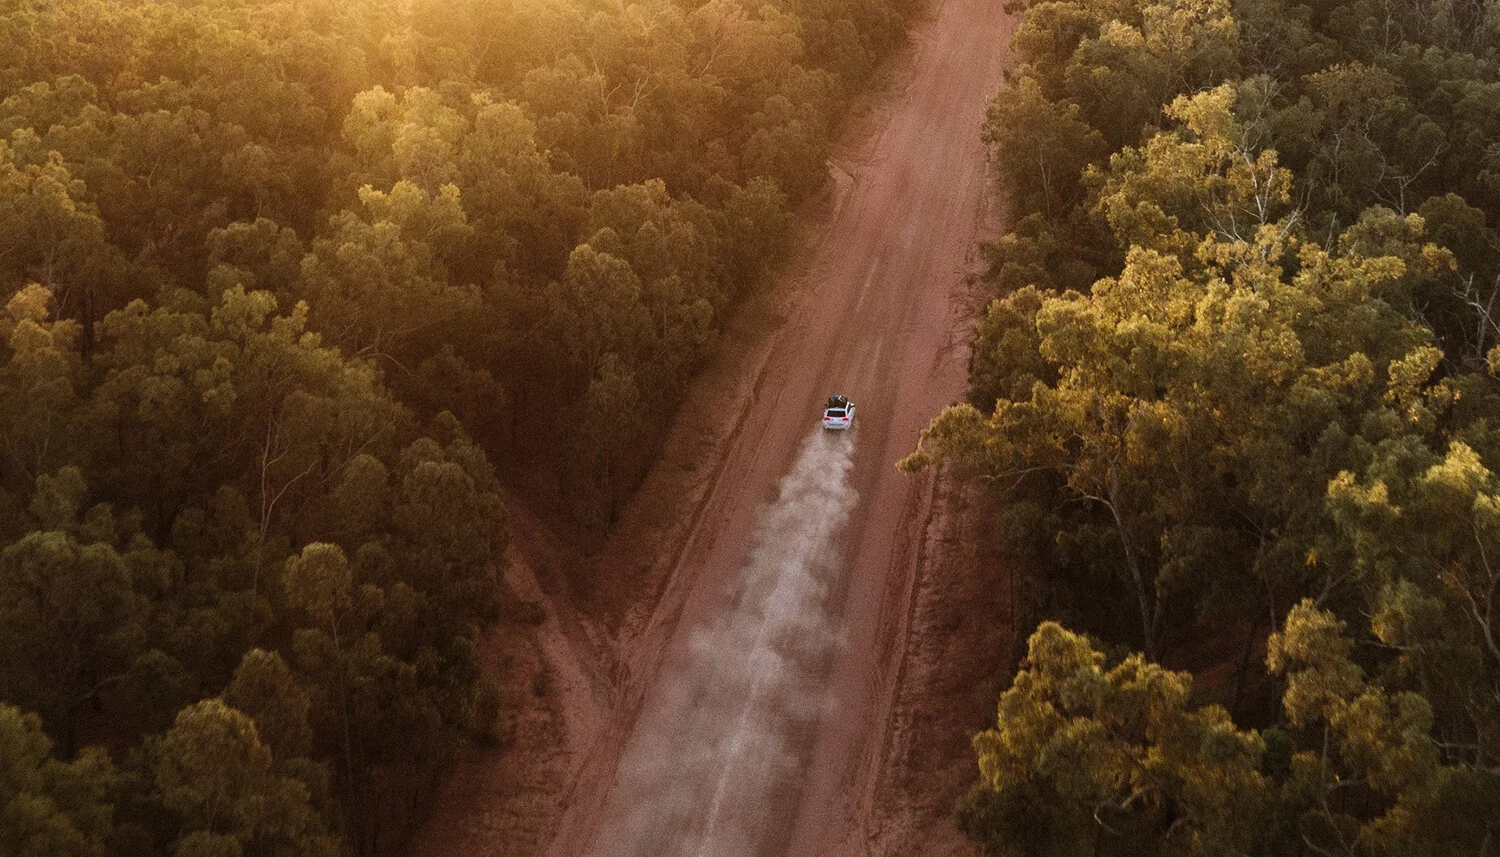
(750, 706)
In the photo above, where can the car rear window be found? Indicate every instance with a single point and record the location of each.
(837, 414)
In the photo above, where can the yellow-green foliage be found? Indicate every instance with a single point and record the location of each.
(1241, 357)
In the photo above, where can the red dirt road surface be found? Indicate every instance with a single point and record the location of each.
(750, 708)
(777, 657)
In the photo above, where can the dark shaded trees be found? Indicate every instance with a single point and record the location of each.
(231, 441)
(51, 807)
(284, 284)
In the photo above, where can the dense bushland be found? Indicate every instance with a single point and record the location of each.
(1238, 396)
(283, 284)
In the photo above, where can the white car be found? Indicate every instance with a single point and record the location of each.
(839, 414)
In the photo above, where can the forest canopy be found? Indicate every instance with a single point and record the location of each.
(1237, 400)
(288, 290)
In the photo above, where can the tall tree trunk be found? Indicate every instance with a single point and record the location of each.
(1244, 665)
(1150, 617)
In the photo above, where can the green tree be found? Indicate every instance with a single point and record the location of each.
(318, 582)
(1112, 761)
(69, 623)
(596, 309)
(54, 235)
(526, 215)
(47, 807)
(267, 692)
(1041, 146)
(1370, 741)
(378, 280)
(1240, 365)
(1198, 403)
(38, 388)
(213, 770)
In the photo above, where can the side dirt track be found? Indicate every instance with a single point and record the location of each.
(748, 676)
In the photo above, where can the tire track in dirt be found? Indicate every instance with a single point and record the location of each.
(746, 689)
